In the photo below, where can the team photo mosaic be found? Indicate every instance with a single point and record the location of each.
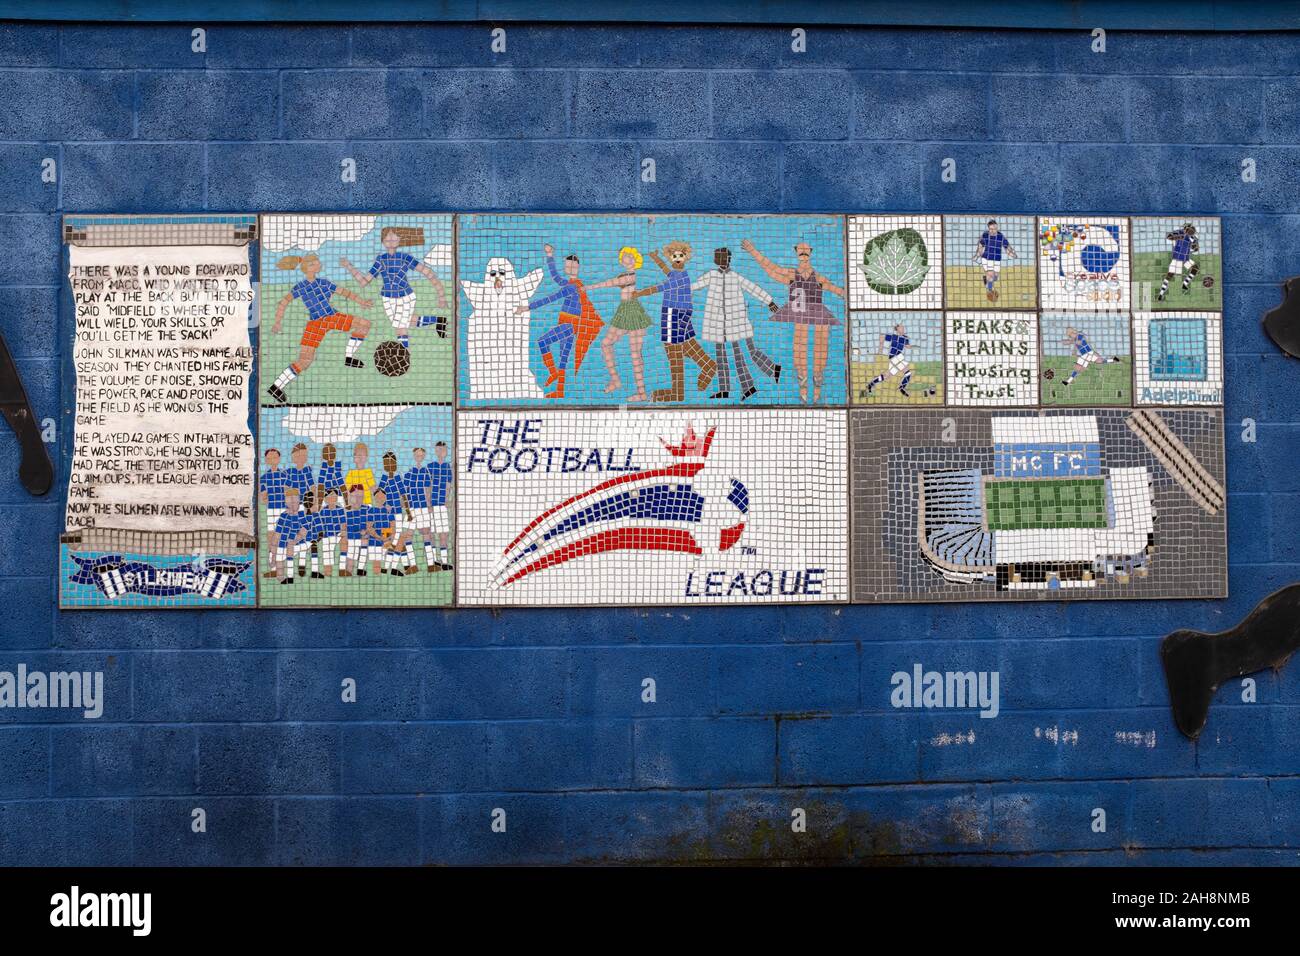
(421, 410)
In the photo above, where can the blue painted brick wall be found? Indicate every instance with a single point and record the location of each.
(758, 711)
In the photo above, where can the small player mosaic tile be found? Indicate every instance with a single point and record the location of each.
(896, 358)
(542, 409)
(1177, 264)
(660, 310)
(989, 262)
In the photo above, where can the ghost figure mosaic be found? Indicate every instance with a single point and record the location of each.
(496, 332)
(544, 409)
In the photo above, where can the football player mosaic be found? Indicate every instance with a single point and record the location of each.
(537, 409)
(356, 473)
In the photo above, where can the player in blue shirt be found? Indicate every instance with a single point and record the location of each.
(298, 475)
(356, 521)
(328, 528)
(315, 293)
(391, 268)
(396, 495)
(441, 474)
(330, 474)
(1085, 355)
(291, 532)
(381, 537)
(1181, 261)
(992, 248)
(272, 485)
(426, 492)
(676, 326)
(894, 346)
(418, 481)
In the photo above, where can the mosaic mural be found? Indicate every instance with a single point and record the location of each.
(161, 466)
(355, 477)
(543, 409)
(613, 310)
(648, 507)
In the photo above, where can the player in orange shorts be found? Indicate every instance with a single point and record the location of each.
(315, 292)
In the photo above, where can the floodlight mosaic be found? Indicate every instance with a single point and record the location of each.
(895, 262)
(896, 358)
(1087, 503)
(652, 507)
(659, 310)
(354, 502)
(1177, 264)
(990, 262)
(1083, 263)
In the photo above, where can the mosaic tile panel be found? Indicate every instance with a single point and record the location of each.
(896, 358)
(356, 308)
(1179, 358)
(989, 262)
(1086, 503)
(661, 310)
(357, 355)
(1083, 263)
(1177, 264)
(895, 262)
(161, 467)
(1086, 358)
(355, 504)
(992, 358)
(1019, 407)
(645, 507)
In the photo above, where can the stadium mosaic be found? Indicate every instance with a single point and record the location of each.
(538, 409)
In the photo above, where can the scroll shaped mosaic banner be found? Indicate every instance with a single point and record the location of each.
(626, 409)
(159, 510)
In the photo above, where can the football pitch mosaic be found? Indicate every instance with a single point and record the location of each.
(628, 409)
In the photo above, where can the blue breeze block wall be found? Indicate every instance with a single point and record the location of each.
(759, 710)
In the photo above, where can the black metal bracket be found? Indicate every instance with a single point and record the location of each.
(1282, 322)
(35, 471)
(1196, 663)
